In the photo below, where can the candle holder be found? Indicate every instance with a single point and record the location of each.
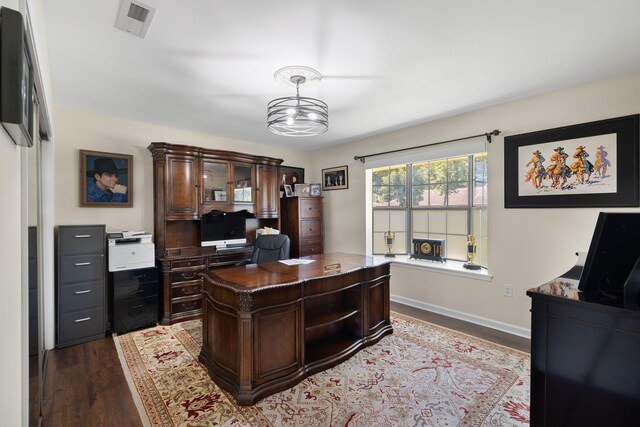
(389, 237)
(471, 253)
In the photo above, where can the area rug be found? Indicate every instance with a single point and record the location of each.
(421, 375)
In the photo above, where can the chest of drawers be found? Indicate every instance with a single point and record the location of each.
(80, 287)
(302, 222)
(135, 299)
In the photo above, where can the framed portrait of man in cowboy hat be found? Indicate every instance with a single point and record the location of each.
(106, 179)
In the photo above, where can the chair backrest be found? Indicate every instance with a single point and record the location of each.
(270, 247)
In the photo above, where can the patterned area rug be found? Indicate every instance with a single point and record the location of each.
(421, 375)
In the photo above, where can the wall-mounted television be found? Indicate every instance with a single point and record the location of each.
(16, 78)
(223, 229)
(613, 253)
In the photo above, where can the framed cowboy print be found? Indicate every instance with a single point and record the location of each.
(586, 165)
(106, 179)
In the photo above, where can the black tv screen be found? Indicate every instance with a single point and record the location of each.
(614, 250)
(220, 229)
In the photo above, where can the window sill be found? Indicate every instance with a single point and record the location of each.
(448, 267)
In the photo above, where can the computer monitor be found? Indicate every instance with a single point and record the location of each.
(221, 229)
(613, 253)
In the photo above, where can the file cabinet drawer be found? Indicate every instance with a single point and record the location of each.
(135, 313)
(81, 268)
(80, 296)
(310, 228)
(310, 208)
(79, 326)
(81, 240)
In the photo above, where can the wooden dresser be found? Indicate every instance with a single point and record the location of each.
(301, 220)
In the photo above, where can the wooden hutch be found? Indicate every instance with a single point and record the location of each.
(187, 182)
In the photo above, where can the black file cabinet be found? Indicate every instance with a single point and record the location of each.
(81, 284)
(135, 299)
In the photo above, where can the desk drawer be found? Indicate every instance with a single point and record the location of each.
(187, 264)
(80, 296)
(310, 228)
(185, 276)
(184, 306)
(186, 290)
(81, 240)
(310, 208)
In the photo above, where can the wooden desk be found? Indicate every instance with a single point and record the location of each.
(267, 327)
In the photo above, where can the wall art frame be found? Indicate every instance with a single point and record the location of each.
(290, 175)
(106, 179)
(592, 164)
(335, 178)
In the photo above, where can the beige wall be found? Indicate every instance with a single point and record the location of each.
(527, 246)
(10, 282)
(75, 131)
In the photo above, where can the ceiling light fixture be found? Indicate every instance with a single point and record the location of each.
(297, 115)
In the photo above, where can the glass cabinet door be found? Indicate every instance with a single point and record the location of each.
(214, 182)
(242, 183)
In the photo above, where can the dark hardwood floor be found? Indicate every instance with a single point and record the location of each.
(85, 385)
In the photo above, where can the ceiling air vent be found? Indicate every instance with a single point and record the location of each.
(135, 17)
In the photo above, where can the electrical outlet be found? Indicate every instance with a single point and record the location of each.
(508, 290)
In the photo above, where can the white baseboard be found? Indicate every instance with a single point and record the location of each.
(483, 321)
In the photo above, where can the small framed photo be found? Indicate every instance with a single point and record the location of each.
(219, 195)
(288, 191)
(335, 178)
(302, 190)
(106, 179)
(314, 190)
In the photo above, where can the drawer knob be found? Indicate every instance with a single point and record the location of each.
(82, 292)
(187, 292)
(138, 277)
(80, 264)
(82, 320)
(189, 307)
(139, 291)
(82, 236)
(137, 306)
(189, 276)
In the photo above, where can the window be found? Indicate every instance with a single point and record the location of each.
(439, 199)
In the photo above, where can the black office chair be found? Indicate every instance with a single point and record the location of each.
(269, 247)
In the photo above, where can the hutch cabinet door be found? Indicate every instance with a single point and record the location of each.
(181, 187)
(214, 185)
(267, 192)
(242, 183)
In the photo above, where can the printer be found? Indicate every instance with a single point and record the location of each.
(130, 250)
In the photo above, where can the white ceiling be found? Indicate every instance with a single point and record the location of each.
(207, 65)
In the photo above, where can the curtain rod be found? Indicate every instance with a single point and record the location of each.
(487, 135)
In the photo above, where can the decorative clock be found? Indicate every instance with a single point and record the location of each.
(431, 249)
